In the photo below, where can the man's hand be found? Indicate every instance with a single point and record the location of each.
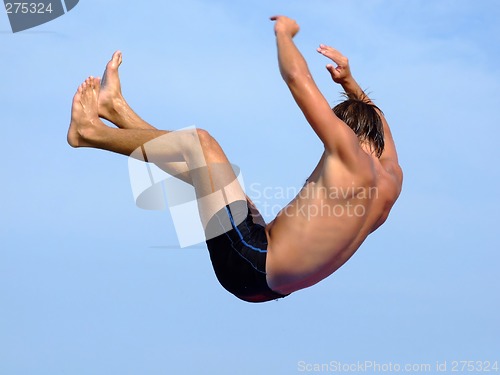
(342, 73)
(285, 25)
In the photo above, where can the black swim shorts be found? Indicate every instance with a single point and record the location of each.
(239, 253)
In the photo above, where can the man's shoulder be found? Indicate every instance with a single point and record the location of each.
(392, 177)
(359, 164)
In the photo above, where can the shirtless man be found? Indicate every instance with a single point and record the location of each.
(348, 195)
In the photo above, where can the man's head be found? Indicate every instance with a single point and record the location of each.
(364, 120)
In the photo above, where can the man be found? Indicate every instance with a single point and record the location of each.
(347, 196)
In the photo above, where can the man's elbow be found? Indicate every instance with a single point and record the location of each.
(296, 77)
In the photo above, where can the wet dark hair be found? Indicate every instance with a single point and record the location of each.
(362, 117)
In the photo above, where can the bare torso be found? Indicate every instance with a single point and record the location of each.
(324, 225)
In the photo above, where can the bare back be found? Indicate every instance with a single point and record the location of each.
(324, 225)
(351, 191)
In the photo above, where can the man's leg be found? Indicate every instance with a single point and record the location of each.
(113, 107)
(210, 171)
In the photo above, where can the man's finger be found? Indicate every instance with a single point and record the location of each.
(274, 18)
(329, 50)
(333, 54)
(333, 72)
(331, 69)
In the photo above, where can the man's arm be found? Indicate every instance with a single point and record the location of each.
(335, 135)
(341, 74)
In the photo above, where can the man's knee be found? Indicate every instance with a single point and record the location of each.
(195, 140)
(209, 145)
(205, 138)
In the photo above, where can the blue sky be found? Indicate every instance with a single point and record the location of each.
(87, 283)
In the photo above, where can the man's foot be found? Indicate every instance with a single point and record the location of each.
(112, 106)
(84, 115)
(110, 96)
